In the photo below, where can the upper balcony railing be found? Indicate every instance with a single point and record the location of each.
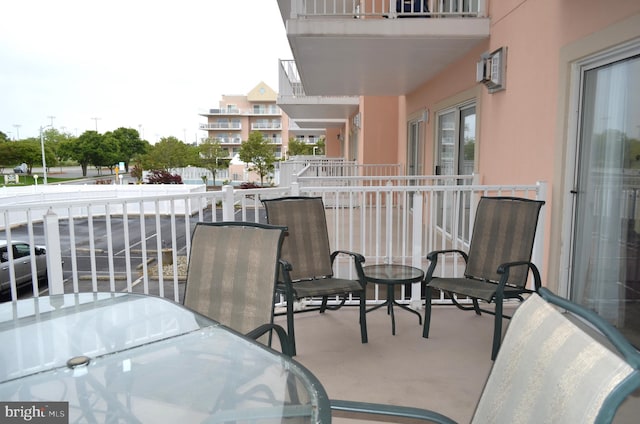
(221, 126)
(224, 111)
(256, 110)
(257, 126)
(365, 9)
(265, 110)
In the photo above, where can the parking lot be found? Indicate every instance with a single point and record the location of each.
(92, 245)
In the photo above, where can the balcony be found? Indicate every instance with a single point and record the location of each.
(372, 49)
(229, 140)
(221, 126)
(265, 110)
(374, 210)
(311, 111)
(223, 111)
(262, 126)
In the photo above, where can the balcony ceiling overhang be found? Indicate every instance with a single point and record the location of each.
(321, 123)
(378, 57)
(319, 108)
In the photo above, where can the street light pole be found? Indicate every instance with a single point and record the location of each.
(44, 161)
(17, 126)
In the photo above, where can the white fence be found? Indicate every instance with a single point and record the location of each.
(110, 242)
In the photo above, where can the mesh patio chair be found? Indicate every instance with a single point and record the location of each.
(306, 248)
(231, 277)
(551, 369)
(498, 261)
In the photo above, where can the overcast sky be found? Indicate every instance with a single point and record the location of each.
(149, 65)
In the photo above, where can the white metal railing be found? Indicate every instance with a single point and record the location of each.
(224, 111)
(266, 125)
(120, 239)
(221, 126)
(387, 8)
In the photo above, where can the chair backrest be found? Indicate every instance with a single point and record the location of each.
(503, 231)
(306, 246)
(551, 370)
(232, 272)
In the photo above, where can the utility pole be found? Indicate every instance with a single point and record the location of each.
(96, 119)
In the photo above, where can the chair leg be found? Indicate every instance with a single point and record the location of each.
(290, 329)
(427, 312)
(323, 305)
(363, 317)
(476, 307)
(497, 329)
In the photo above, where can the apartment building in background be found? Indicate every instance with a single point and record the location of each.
(513, 92)
(238, 115)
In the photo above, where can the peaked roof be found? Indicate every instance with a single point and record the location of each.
(262, 93)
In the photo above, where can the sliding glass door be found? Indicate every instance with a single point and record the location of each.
(606, 235)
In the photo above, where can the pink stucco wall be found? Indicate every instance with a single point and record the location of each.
(380, 130)
(516, 127)
(522, 132)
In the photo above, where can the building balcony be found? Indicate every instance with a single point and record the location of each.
(369, 209)
(221, 126)
(351, 48)
(229, 140)
(222, 111)
(262, 126)
(261, 111)
(311, 112)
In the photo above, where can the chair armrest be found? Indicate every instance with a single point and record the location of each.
(433, 255)
(354, 410)
(503, 269)
(280, 331)
(358, 260)
(433, 258)
(357, 257)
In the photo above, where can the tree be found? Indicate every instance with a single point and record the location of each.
(82, 149)
(105, 153)
(170, 153)
(4, 137)
(259, 154)
(299, 148)
(8, 155)
(130, 145)
(213, 156)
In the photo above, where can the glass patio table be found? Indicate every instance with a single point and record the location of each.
(107, 357)
(391, 275)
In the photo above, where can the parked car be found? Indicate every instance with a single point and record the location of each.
(22, 264)
(20, 169)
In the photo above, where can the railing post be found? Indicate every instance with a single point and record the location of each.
(54, 253)
(227, 203)
(295, 189)
(537, 256)
(389, 222)
(416, 250)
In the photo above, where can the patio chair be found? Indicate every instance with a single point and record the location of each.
(306, 248)
(231, 277)
(498, 261)
(552, 368)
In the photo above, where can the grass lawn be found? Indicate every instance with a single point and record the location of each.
(27, 180)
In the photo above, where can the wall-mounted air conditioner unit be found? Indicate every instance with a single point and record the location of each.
(491, 70)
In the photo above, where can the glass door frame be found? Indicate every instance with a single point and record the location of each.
(579, 69)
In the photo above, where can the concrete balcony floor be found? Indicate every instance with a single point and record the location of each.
(445, 372)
